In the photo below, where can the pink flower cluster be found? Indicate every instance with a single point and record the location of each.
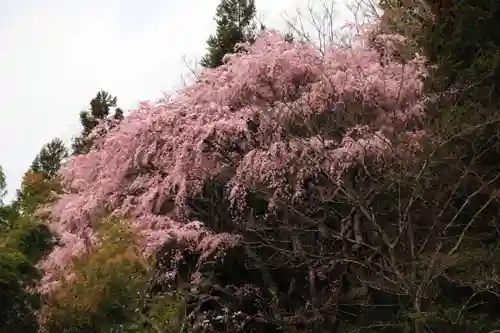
(265, 118)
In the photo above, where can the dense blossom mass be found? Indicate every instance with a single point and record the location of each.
(271, 116)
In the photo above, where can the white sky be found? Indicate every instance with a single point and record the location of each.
(56, 54)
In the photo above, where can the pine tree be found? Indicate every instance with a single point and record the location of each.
(40, 181)
(50, 158)
(100, 107)
(235, 24)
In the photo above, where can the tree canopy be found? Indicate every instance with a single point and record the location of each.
(100, 108)
(235, 24)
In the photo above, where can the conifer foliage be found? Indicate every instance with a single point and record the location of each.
(100, 107)
(235, 24)
(50, 158)
(40, 182)
(23, 241)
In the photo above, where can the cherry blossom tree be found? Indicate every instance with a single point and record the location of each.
(277, 119)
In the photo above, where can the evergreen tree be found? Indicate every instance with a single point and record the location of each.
(100, 107)
(40, 181)
(7, 211)
(235, 24)
(21, 247)
(464, 40)
(461, 37)
(23, 241)
(50, 158)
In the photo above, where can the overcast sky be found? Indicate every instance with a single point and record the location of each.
(56, 54)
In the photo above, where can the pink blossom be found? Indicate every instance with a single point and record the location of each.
(167, 150)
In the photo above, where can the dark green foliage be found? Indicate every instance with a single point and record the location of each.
(3, 185)
(100, 108)
(17, 306)
(30, 238)
(21, 246)
(40, 182)
(49, 159)
(162, 313)
(23, 241)
(235, 24)
(8, 212)
(460, 37)
(464, 40)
